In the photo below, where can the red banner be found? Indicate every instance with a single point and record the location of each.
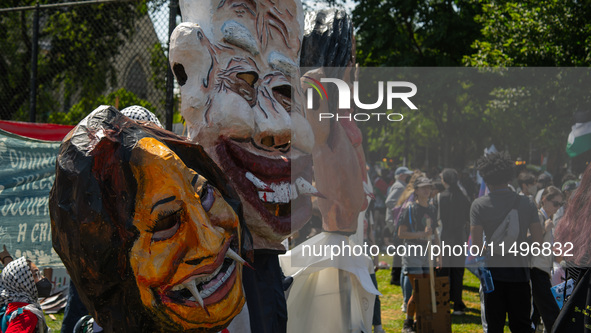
(47, 132)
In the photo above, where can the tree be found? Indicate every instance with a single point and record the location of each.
(120, 99)
(396, 33)
(77, 44)
(532, 34)
(414, 32)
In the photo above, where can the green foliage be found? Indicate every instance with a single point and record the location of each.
(120, 98)
(159, 66)
(414, 32)
(77, 45)
(529, 119)
(533, 33)
(418, 33)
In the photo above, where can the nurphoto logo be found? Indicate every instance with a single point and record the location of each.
(393, 92)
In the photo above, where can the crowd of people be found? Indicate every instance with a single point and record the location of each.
(525, 209)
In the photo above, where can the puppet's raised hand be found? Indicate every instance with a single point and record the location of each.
(339, 166)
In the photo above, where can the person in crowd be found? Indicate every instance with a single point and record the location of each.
(402, 175)
(568, 188)
(416, 223)
(510, 274)
(406, 198)
(438, 187)
(21, 285)
(453, 208)
(575, 227)
(527, 184)
(572, 232)
(380, 191)
(468, 184)
(568, 176)
(544, 304)
(541, 265)
(544, 180)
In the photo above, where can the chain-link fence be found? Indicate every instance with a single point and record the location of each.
(60, 60)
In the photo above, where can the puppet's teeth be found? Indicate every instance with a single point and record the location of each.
(285, 192)
(293, 192)
(280, 193)
(257, 182)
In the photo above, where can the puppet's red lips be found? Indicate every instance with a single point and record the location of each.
(265, 182)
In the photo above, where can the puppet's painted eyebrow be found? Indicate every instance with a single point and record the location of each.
(194, 180)
(238, 35)
(163, 201)
(282, 63)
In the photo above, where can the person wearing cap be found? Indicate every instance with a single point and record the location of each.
(402, 175)
(415, 229)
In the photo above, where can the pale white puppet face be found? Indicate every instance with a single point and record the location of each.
(236, 62)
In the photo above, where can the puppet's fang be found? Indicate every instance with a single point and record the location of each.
(193, 289)
(304, 187)
(234, 256)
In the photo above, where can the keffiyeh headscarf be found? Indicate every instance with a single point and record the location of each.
(137, 112)
(17, 283)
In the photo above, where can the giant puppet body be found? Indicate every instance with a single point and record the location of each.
(334, 293)
(237, 63)
(238, 66)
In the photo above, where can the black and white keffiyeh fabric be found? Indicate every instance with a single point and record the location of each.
(18, 284)
(137, 112)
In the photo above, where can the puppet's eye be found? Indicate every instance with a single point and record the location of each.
(207, 197)
(166, 226)
(249, 77)
(283, 96)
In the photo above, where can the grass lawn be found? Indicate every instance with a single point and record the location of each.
(56, 324)
(393, 317)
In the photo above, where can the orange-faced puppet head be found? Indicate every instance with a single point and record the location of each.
(147, 226)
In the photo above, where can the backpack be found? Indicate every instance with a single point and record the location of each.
(507, 231)
(41, 325)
